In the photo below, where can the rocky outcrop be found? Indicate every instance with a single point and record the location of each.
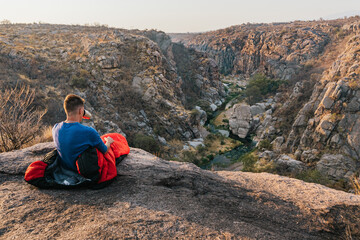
(354, 27)
(336, 166)
(153, 198)
(330, 119)
(306, 121)
(245, 119)
(240, 120)
(287, 165)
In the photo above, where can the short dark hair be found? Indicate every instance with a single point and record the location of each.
(72, 102)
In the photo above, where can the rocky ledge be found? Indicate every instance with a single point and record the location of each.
(157, 199)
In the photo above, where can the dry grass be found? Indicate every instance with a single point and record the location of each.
(219, 119)
(355, 182)
(46, 135)
(220, 144)
(262, 165)
(176, 144)
(348, 235)
(354, 84)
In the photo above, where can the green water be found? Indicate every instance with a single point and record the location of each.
(229, 157)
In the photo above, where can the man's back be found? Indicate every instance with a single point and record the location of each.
(71, 139)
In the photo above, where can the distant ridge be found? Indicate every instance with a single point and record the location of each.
(342, 15)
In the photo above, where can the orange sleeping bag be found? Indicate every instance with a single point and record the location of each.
(107, 162)
(94, 168)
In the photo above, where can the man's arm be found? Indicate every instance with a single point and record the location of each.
(97, 142)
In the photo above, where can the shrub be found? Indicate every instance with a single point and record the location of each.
(248, 161)
(313, 176)
(225, 120)
(146, 143)
(265, 144)
(160, 130)
(79, 82)
(264, 166)
(193, 157)
(259, 86)
(210, 157)
(253, 94)
(20, 122)
(46, 135)
(189, 156)
(211, 137)
(201, 149)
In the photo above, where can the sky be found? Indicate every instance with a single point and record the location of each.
(173, 15)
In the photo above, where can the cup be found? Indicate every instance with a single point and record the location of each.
(87, 114)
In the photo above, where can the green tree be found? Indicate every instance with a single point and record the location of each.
(253, 94)
(259, 86)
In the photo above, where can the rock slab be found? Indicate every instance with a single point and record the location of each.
(157, 199)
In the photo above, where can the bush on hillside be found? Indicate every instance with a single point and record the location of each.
(313, 176)
(190, 156)
(79, 82)
(265, 145)
(248, 160)
(146, 143)
(259, 86)
(20, 122)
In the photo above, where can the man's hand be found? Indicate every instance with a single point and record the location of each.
(108, 142)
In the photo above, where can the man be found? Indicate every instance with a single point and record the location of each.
(72, 138)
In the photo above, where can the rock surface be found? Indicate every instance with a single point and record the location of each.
(157, 199)
(336, 166)
(286, 164)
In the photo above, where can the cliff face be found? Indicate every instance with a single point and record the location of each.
(281, 50)
(198, 71)
(331, 117)
(155, 199)
(130, 82)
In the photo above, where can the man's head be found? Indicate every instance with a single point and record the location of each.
(74, 105)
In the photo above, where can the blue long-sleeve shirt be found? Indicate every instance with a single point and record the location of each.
(72, 139)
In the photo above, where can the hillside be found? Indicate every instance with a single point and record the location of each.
(156, 199)
(130, 82)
